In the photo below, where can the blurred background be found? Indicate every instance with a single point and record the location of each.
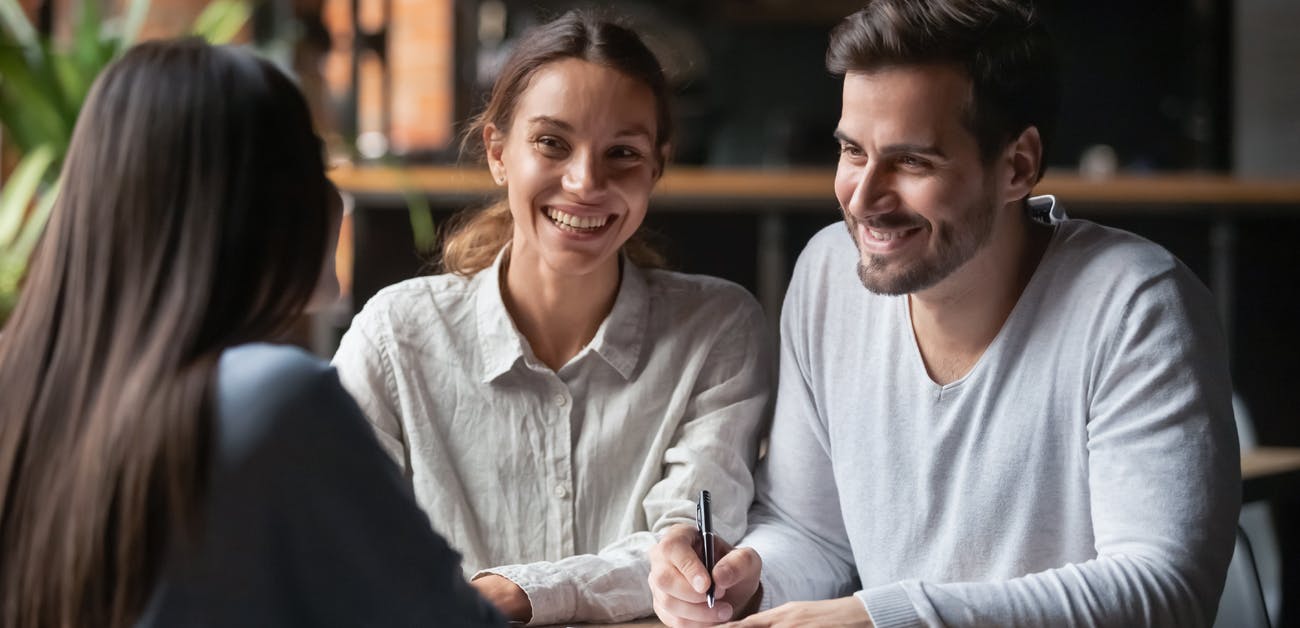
(1179, 122)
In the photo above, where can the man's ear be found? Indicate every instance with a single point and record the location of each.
(1024, 159)
(494, 144)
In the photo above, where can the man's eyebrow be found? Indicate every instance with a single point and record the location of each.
(930, 150)
(843, 137)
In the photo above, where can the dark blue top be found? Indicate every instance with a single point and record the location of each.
(307, 521)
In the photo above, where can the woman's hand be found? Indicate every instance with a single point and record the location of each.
(505, 595)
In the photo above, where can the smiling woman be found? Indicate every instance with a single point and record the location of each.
(578, 44)
(580, 165)
(554, 399)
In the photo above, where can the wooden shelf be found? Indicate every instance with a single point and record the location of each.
(1270, 472)
(1265, 461)
(812, 188)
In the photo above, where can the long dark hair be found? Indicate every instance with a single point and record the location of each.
(192, 217)
(477, 236)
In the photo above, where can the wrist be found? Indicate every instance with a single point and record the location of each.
(508, 597)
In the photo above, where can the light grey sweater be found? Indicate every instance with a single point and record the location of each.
(1084, 472)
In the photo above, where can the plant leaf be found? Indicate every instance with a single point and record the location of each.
(74, 80)
(16, 23)
(423, 230)
(20, 189)
(27, 80)
(85, 40)
(132, 20)
(32, 229)
(18, 130)
(221, 21)
(14, 259)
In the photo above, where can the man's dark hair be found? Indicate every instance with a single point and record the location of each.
(999, 44)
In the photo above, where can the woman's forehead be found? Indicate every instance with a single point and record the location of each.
(577, 96)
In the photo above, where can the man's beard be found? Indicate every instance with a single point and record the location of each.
(957, 243)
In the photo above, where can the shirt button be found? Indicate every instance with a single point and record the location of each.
(561, 491)
(560, 400)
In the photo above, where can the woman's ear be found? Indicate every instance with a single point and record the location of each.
(494, 144)
(664, 152)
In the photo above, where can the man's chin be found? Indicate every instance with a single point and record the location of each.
(891, 284)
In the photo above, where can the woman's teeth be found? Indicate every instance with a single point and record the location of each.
(589, 223)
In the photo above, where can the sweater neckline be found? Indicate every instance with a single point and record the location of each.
(990, 352)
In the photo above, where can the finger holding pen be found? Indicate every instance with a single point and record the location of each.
(679, 582)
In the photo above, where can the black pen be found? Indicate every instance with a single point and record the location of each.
(704, 521)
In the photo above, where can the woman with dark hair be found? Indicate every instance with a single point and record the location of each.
(555, 399)
(159, 466)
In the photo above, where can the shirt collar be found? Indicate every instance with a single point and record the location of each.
(500, 342)
(620, 336)
(618, 340)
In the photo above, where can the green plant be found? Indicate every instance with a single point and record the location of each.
(42, 88)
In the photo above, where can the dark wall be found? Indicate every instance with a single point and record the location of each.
(1149, 79)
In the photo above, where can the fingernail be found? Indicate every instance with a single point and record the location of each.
(699, 583)
(724, 612)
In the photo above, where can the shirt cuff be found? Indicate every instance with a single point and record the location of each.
(890, 607)
(553, 598)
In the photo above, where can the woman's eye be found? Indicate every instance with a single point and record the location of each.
(624, 153)
(549, 145)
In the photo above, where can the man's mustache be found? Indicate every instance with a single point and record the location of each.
(887, 222)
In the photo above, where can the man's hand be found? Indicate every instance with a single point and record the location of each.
(505, 595)
(678, 580)
(845, 611)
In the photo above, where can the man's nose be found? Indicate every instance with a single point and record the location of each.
(873, 193)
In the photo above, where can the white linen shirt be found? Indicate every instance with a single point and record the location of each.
(560, 481)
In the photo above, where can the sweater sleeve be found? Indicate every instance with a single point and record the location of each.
(1164, 479)
(795, 523)
(714, 448)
